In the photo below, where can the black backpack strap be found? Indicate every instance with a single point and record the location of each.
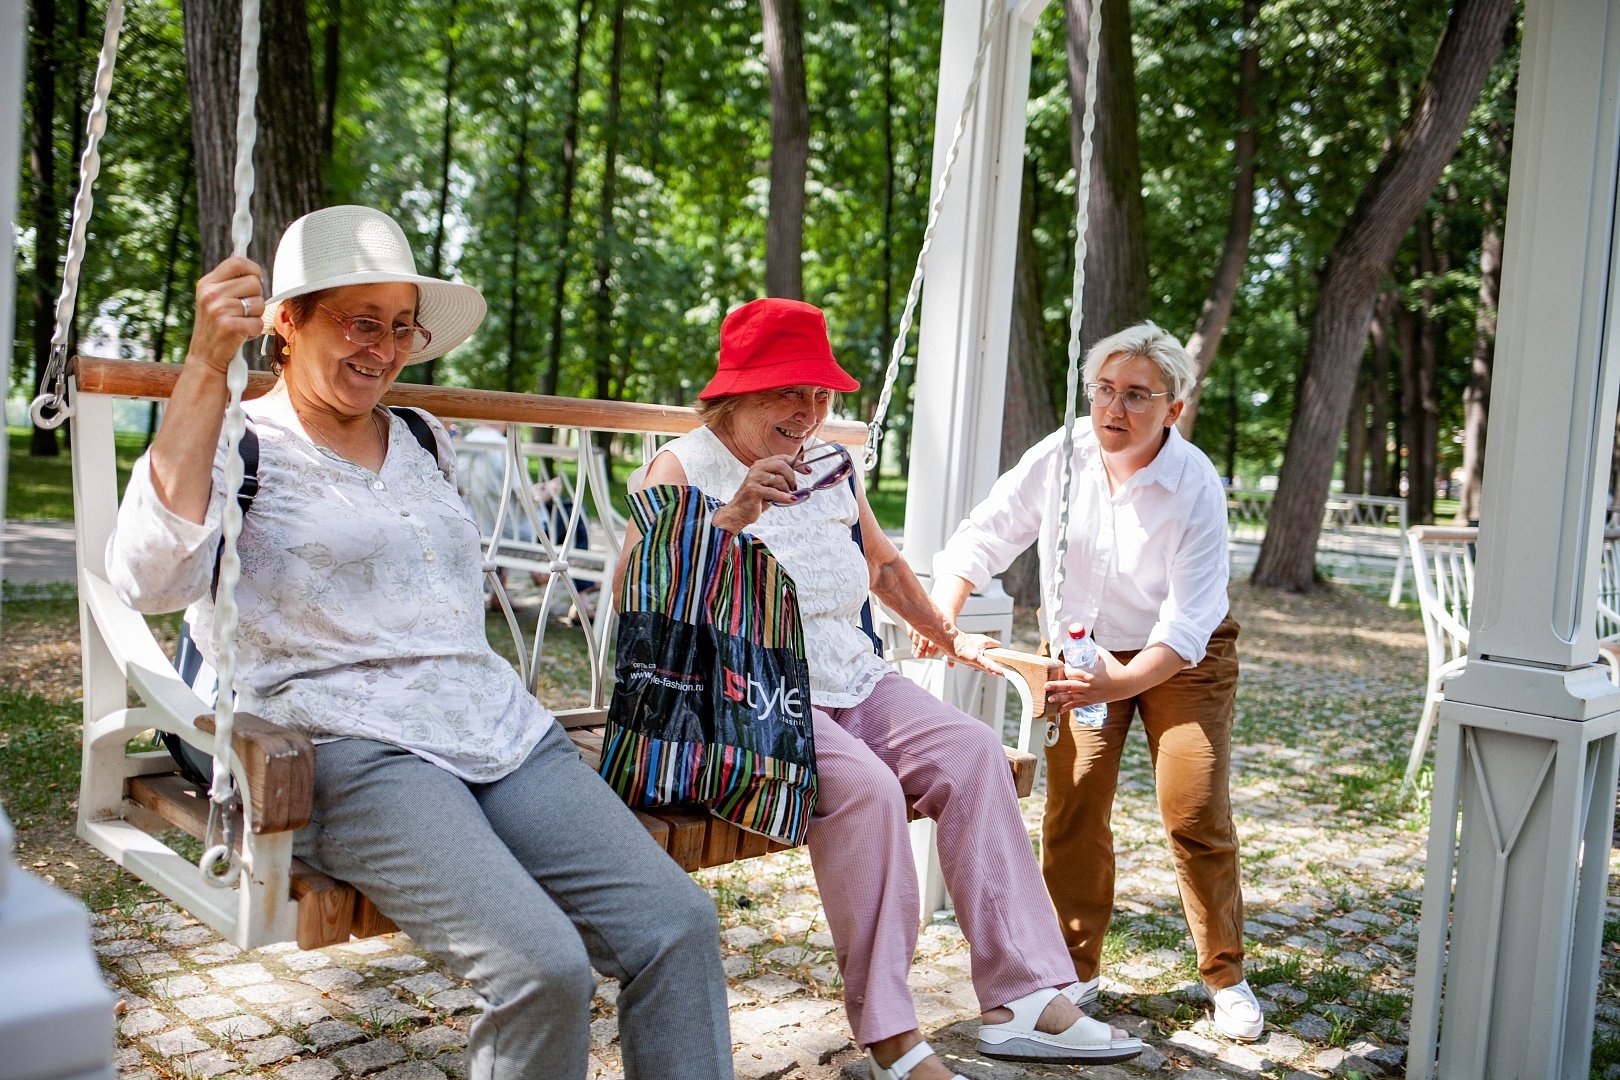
(420, 428)
(248, 449)
(195, 765)
(866, 605)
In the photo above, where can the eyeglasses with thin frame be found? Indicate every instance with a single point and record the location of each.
(843, 465)
(1136, 401)
(364, 330)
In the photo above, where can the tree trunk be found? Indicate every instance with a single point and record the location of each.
(886, 293)
(514, 265)
(565, 200)
(1205, 341)
(1028, 415)
(447, 131)
(1422, 412)
(42, 64)
(1232, 424)
(171, 264)
(606, 236)
(1349, 284)
(790, 148)
(1477, 396)
(1116, 293)
(1406, 349)
(1355, 449)
(331, 68)
(1378, 469)
(632, 317)
(286, 156)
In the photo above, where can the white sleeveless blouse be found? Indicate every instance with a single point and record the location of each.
(812, 541)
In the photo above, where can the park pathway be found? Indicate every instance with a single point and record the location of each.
(38, 553)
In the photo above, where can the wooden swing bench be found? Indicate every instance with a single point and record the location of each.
(127, 799)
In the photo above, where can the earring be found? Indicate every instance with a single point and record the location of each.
(286, 350)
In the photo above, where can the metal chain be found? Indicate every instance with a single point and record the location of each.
(874, 430)
(222, 791)
(1076, 316)
(50, 409)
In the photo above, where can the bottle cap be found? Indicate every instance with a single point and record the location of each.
(1076, 631)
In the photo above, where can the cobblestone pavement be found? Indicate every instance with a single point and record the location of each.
(1333, 868)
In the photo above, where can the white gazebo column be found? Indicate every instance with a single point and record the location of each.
(1524, 789)
(965, 317)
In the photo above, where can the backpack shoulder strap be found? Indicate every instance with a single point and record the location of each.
(866, 605)
(422, 431)
(248, 449)
(420, 428)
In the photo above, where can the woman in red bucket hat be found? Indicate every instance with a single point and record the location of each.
(881, 741)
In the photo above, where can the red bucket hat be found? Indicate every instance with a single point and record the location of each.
(775, 342)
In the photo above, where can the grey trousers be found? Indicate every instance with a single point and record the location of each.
(521, 886)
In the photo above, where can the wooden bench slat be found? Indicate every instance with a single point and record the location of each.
(140, 379)
(177, 801)
(279, 769)
(325, 907)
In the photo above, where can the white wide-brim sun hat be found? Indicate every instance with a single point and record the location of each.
(356, 245)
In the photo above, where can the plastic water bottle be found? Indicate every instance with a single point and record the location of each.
(1080, 653)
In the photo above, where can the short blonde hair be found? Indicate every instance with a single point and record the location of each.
(1149, 341)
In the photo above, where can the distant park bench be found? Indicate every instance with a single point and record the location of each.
(1363, 539)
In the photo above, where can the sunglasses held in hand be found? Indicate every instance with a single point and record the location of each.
(842, 466)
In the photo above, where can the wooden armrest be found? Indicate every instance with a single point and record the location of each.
(279, 767)
(1035, 670)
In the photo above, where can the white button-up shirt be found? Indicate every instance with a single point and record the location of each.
(1146, 564)
(361, 612)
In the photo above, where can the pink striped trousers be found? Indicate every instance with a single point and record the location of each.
(900, 743)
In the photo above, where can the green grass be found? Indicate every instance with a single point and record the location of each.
(889, 501)
(1605, 1052)
(39, 756)
(41, 489)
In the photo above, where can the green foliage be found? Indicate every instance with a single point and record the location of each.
(41, 489)
(686, 238)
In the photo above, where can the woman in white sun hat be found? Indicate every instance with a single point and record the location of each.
(443, 790)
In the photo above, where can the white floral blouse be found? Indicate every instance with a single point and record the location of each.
(812, 541)
(361, 608)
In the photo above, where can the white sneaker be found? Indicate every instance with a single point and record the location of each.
(1083, 993)
(1237, 1013)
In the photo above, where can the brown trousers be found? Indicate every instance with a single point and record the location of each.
(1188, 721)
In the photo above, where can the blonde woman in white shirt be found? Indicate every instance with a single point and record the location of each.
(443, 790)
(1146, 574)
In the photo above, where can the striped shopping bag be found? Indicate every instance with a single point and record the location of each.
(712, 703)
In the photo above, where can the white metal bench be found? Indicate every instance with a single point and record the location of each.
(1443, 573)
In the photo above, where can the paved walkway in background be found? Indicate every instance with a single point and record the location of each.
(39, 553)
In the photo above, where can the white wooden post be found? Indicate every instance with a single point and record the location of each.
(966, 314)
(1524, 785)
